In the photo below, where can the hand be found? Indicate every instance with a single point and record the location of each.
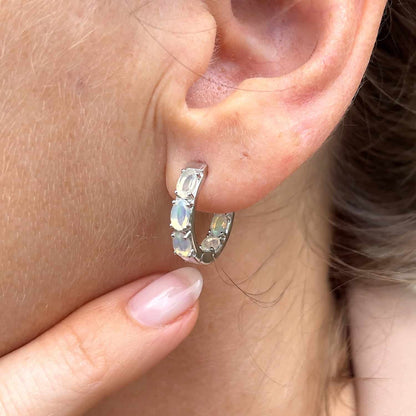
(100, 347)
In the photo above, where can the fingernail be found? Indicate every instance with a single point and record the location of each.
(166, 298)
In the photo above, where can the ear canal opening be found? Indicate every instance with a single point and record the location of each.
(263, 38)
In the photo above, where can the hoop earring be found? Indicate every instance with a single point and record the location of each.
(182, 220)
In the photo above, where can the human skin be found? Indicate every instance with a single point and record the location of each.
(94, 131)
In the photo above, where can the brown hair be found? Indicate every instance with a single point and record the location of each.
(374, 169)
(374, 174)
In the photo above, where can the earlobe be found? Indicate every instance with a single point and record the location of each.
(276, 105)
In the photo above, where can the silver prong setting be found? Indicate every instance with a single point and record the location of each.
(183, 217)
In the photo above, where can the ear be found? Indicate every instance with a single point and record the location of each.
(259, 95)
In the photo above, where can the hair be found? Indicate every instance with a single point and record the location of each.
(373, 177)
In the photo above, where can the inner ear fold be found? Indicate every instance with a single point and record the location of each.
(256, 38)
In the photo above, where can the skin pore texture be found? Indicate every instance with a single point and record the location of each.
(103, 103)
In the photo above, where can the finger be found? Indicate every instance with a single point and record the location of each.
(383, 328)
(100, 347)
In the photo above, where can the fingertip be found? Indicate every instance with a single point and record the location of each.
(167, 298)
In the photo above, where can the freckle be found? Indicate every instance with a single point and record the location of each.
(80, 85)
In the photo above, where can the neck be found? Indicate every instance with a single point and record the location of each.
(260, 346)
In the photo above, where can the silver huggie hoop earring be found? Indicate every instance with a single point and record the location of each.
(182, 220)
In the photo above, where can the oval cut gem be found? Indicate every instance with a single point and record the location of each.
(219, 224)
(180, 215)
(187, 184)
(211, 242)
(182, 245)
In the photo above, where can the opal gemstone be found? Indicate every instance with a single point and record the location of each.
(187, 184)
(182, 245)
(219, 224)
(180, 216)
(211, 242)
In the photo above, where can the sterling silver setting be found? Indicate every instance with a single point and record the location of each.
(182, 220)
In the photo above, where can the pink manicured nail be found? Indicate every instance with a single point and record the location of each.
(166, 298)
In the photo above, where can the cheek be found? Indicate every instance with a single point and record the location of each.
(82, 180)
